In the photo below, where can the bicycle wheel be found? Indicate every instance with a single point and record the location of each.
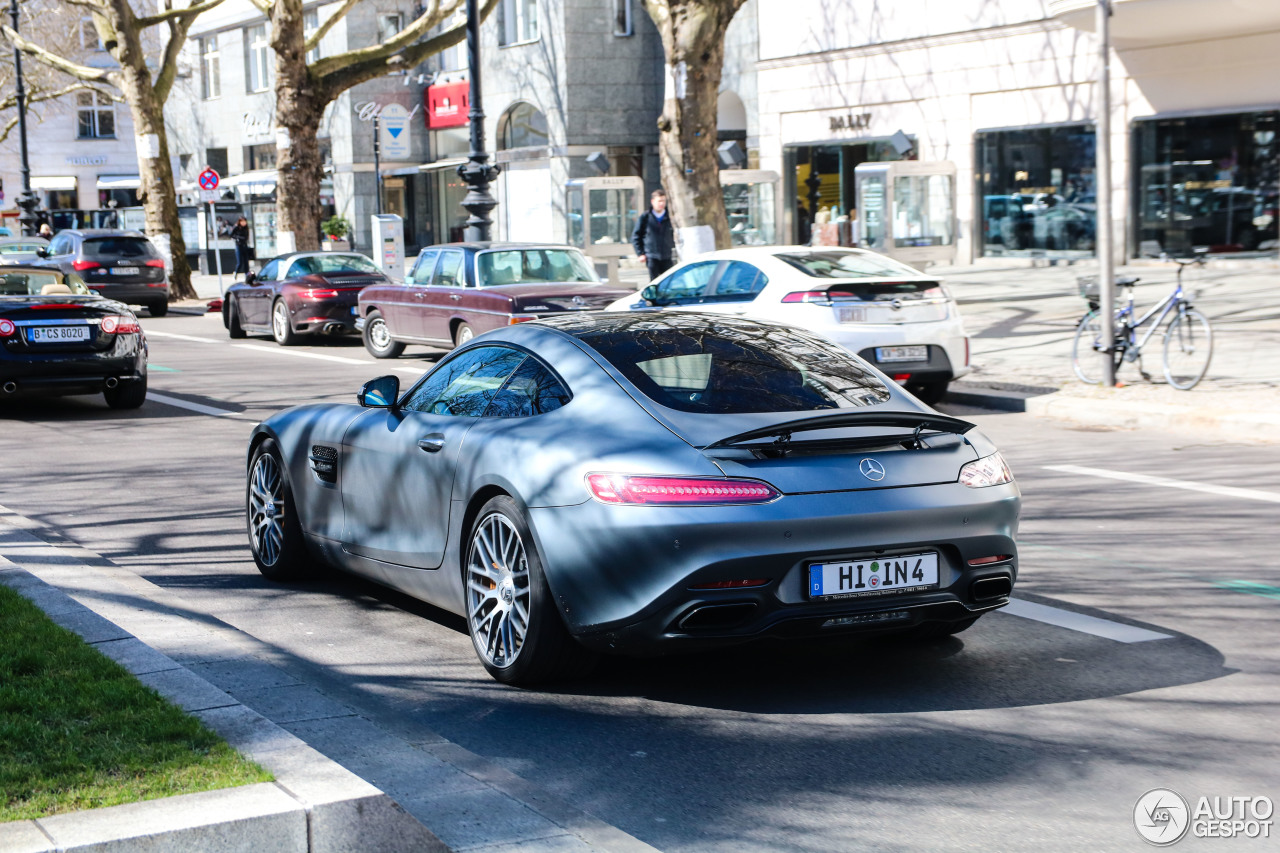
(1086, 349)
(1188, 346)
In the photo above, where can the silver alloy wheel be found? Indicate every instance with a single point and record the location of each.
(266, 509)
(280, 321)
(498, 590)
(378, 334)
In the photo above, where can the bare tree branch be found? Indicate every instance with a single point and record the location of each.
(83, 72)
(189, 12)
(328, 24)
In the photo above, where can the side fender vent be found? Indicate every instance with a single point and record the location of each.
(324, 462)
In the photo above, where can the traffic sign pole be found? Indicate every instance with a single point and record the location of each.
(209, 180)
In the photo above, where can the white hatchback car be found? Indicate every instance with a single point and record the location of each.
(899, 319)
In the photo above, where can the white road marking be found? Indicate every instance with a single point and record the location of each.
(197, 407)
(1168, 483)
(323, 357)
(1104, 628)
(177, 337)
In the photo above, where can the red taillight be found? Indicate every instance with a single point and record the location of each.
(983, 561)
(318, 294)
(117, 324)
(901, 377)
(677, 491)
(154, 262)
(738, 584)
(7, 328)
(520, 318)
(807, 296)
(81, 266)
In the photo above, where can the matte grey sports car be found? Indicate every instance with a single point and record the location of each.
(634, 483)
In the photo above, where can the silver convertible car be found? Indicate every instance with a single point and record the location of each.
(623, 483)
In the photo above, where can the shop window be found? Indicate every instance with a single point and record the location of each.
(210, 68)
(517, 21)
(261, 156)
(257, 58)
(95, 116)
(60, 200)
(1206, 183)
(216, 159)
(1036, 191)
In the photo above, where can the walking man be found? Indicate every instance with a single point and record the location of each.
(654, 238)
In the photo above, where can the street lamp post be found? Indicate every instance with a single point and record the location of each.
(27, 201)
(477, 173)
(1106, 256)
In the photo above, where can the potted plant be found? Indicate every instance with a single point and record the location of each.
(336, 230)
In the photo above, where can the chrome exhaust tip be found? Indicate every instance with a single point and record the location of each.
(10, 387)
(112, 382)
(333, 329)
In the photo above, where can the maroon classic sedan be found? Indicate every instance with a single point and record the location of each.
(303, 293)
(459, 290)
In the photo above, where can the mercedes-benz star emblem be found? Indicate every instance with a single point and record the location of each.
(579, 301)
(871, 469)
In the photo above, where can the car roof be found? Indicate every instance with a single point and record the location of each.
(103, 232)
(479, 246)
(291, 256)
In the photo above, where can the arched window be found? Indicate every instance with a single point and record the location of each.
(522, 127)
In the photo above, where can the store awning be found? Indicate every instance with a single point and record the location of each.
(257, 182)
(119, 182)
(66, 183)
(398, 172)
(440, 165)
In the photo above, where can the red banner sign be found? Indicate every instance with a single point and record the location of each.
(447, 105)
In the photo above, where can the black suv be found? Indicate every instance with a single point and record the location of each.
(121, 265)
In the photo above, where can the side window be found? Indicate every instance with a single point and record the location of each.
(269, 271)
(449, 271)
(299, 268)
(739, 282)
(531, 390)
(61, 245)
(421, 273)
(464, 385)
(689, 283)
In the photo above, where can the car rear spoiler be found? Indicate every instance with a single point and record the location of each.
(907, 420)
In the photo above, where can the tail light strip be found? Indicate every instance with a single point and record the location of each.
(678, 491)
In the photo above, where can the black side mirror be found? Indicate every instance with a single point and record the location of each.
(380, 393)
(42, 253)
(250, 278)
(650, 294)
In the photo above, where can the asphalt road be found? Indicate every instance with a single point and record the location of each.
(1018, 734)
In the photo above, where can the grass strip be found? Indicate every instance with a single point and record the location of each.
(78, 731)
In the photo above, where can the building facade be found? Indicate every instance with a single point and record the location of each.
(1006, 92)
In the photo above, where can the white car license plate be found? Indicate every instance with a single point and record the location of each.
(57, 334)
(125, 271)
(851, 314)
(872, 578)
(887, 354)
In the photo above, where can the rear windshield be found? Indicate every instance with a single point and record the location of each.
(837, 264)
(40, 284)
(736, 367)
(533, 266)
(334, 264)
(119, 247)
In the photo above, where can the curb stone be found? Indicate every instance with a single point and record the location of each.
(314, 805)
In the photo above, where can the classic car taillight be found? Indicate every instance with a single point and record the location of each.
(118, 324)
(7, 328)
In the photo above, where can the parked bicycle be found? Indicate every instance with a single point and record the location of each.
(1188, 337)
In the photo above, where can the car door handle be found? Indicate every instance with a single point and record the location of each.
(455, 297)
(419, 295)
(431, 443)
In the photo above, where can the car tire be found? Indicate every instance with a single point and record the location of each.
(130, 394)
(231, 319)
(930, 631)
(159, 308)
(377, 337)
(931, 392)
(275, 536)
(281, 328)
(498, 586)
(462, 334)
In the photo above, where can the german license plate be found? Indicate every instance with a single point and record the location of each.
(125, 271)
(873, 578)
(888, 354)
(57, 334)
(851, 314)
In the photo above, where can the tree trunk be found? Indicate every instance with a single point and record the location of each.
(692, 34)
(299, 110)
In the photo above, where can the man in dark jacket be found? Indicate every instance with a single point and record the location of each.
(654, 237)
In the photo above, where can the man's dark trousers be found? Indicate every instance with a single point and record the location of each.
(657, 266)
